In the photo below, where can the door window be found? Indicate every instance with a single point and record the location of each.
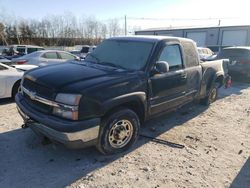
(30, 50)
(66, 56)
(50, 55)
(21, 50)
(172, 55)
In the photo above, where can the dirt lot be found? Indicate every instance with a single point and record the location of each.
(216, 152)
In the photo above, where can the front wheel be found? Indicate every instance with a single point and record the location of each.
(15, 89)
(118, 132)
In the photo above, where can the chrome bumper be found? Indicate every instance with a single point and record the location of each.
(77, 139)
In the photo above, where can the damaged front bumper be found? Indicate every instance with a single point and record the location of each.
(73, 134)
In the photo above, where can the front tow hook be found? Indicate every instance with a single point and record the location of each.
(25, 126)
(26, 123)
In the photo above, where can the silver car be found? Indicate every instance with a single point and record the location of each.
(44, 57)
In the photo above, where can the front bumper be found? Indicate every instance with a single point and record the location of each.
(73, 134)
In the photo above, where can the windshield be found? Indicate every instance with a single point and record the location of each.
(131, 55)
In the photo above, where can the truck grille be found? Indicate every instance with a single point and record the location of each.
(37, 105)
(41, 91)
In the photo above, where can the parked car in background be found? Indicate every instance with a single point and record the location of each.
(10, 78)
(76, 52)
(24, 67)
(204, 52)
(86, 49)
(45, 57)
(239, 60)
(82, 53)
(4, 60)
(15, 51)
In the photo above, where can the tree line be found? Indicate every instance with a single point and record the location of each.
(57, 30)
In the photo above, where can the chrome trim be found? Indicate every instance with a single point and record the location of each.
(33, 96)
(84, 135)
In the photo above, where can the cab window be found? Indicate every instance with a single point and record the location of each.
(190, 54)
(172, 55)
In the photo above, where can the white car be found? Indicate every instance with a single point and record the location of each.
(10, 78)
(45, 57)
(4, 60)
(204, 52)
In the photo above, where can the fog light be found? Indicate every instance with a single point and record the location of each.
(73, 115)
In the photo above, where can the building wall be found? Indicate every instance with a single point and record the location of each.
(175, 33)
(214, 35)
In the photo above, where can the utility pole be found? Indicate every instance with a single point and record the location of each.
(219, 22)
(125, 25)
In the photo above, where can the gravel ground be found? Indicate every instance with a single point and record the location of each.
(216, 151)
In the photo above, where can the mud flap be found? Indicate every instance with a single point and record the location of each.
(228, 82)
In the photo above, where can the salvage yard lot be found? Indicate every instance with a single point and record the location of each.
(216, 152)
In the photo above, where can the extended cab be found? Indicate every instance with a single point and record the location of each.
(124, 82)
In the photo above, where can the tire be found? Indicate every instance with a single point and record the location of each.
(15, 89)
(212, 95)
(118, 132)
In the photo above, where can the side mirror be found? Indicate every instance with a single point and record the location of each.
(77, 58)
(161, 67)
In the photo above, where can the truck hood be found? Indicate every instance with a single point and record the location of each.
(66, 75)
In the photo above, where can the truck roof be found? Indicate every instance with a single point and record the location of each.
(150, 38)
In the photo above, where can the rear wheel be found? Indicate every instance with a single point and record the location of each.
(118, 132)
(212, 95)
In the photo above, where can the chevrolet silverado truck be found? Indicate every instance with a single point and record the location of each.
(103, 100)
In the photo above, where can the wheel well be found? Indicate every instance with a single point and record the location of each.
(135, 106)
(219, 80)
(16, 84)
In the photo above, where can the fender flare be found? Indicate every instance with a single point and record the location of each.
(135, 98)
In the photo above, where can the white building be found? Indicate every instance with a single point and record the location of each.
(212, 37)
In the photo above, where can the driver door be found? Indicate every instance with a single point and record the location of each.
(168, 89)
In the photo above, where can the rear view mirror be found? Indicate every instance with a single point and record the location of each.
(161, 67)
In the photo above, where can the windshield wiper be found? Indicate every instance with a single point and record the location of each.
(104, 62)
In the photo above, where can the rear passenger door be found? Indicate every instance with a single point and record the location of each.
(193, 68)
(66, 56)
(168, 89)
(49, 58)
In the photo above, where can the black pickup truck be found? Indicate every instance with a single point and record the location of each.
(103, 100)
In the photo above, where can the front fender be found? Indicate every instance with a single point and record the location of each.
(136, 97)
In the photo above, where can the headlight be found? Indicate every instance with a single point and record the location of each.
(70, 99)
(67, 106)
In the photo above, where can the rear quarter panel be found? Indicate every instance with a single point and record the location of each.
(211, 70)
